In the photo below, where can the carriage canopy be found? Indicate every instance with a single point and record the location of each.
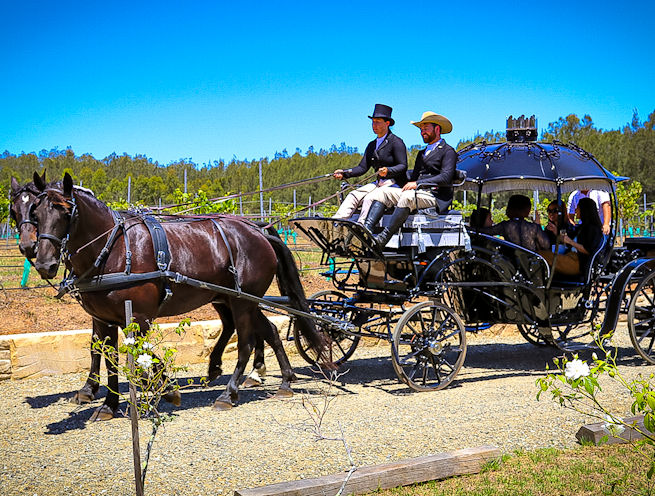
(534, 166)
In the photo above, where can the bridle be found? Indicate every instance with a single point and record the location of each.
(71, 217)
(27, 220)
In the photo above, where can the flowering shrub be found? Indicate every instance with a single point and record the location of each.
(575, 385)
(150, 370)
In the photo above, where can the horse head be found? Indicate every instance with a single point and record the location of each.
(21, 201)
(52, 210)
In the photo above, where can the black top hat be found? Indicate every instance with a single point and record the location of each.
(382, 111)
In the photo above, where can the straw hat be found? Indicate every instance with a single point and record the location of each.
(445, 124)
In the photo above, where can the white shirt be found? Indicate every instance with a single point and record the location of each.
(599, 197)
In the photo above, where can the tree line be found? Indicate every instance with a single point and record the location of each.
(629, 151)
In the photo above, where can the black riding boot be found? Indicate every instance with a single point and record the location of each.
(397, 219)
(375, 213)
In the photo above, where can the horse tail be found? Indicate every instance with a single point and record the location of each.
(288, 279)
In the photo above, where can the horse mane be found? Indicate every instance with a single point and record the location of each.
(57, 198)
(86, 190)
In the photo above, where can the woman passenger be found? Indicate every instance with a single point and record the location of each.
(588, 239)
(558, 221)
(480, 217)
(518, 230)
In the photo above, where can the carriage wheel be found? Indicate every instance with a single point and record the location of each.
(342, 345)
(641, 318)
(429, 346)
(531, 334)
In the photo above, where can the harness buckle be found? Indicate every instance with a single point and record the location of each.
(161, 260)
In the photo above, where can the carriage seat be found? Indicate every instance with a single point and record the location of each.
(530, 264)
(425, 229)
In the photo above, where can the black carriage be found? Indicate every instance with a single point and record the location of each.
(438, 278)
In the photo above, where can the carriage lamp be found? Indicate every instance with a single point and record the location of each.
(521, 129)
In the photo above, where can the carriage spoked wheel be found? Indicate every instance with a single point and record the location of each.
(641, 318)
(328, 303)
(531, 334)
(429, 346)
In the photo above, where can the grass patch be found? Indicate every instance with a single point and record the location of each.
(587, 470)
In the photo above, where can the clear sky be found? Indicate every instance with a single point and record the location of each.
(206, 80)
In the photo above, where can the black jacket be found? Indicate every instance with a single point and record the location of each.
(392, 154)
(436, 172)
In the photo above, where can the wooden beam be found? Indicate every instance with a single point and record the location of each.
(387, 475)
(593, 433)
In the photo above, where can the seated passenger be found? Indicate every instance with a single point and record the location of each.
(387, 155)
(588, 239)
(602, 201)
(558, 222)
(481, 218)
(518, 230)
(430, 184)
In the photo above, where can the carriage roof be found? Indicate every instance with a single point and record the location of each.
(493, 167)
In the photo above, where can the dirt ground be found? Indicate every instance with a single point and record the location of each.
(37, 310)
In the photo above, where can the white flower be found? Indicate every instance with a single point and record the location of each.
(613, 428)
(594, 356)
(144, 361)
(147, 346)
(576, 369)
(128, 341)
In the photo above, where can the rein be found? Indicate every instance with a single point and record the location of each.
(220, 199)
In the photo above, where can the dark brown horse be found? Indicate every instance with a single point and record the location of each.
(20, 202)
(198, 250)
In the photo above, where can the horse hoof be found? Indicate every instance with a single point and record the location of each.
(253, 379)
(221, 406)
(250, 382)
(173, 397)
(82, 397)
(102, 413)
(283, 393)
(212, 375)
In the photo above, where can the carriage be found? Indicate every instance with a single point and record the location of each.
(438, 278)
(435, 280)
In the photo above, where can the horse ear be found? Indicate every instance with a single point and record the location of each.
(14, 184)
(38, 182)
(68, 184)
(43, 176)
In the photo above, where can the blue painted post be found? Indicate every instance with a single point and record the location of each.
(26, 273)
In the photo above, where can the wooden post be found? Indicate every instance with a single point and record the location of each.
(594, 433)
(394, 474)
(134, 414)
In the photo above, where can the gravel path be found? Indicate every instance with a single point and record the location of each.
(48, 448)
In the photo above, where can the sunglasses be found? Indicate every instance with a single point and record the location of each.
(552, 210)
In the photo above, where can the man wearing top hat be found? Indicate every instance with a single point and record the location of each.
(386, 154)
(430, 184)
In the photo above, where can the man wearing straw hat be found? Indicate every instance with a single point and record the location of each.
(430, 184)
(386, 154)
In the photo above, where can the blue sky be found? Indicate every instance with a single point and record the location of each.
(211, 80)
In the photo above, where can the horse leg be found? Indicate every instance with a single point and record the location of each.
(258, 372)
(216, 357)
(108, 334)
(245, 344)
(270, 334)
(88, 392)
